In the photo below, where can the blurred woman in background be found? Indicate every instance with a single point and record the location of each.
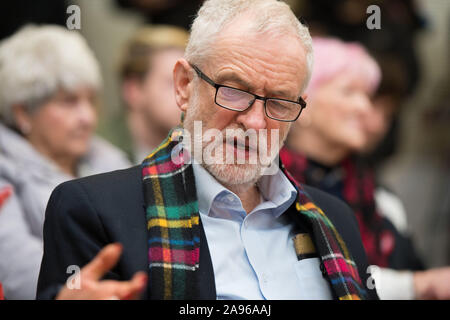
(321, 151)
(50, 81)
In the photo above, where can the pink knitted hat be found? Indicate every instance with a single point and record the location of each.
(333, 56)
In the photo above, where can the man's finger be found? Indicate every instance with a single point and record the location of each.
(103, 262)
(132, 289)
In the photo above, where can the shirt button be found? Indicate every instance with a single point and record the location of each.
(264, 278)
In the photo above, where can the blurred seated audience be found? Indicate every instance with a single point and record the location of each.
(50, 83)
(146, 70)
(321, 151)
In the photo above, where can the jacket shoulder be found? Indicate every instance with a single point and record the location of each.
(112, 195)
(83, 215)
(108, 186)
(112, 179)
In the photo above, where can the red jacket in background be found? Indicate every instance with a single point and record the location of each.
(4, 194)
(2, 297)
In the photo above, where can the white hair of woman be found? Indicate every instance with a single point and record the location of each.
(37, 61)
(272, 16)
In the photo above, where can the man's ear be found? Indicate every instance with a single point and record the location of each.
(183, 79)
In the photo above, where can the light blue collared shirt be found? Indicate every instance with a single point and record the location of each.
(253, 255)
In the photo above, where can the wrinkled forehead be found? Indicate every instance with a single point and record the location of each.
(268, 56)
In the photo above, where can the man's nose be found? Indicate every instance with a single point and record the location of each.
(254, 117)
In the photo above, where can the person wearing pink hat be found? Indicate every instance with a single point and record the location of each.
(321, 151)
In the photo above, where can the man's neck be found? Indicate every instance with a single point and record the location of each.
(249, 194)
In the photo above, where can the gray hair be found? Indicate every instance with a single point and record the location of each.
(37, 61)
(269, 15)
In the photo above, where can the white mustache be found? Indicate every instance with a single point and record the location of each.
(239, 139)
(243, 144)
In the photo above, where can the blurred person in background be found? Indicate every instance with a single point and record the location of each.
(50, 80)
(340, 121)
(387, 102)
(401, 20)
(146, 70)
(179, 13)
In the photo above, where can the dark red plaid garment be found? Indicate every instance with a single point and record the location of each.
(357, 189)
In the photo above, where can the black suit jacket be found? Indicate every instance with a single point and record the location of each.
(86, 214)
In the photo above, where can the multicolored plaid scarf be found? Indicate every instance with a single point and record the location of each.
(357, 189)
(173, 228)
(172, 221)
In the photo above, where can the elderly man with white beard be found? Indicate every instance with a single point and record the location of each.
(183, 226)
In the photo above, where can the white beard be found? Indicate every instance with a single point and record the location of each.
(235, 174)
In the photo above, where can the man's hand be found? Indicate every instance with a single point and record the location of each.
(432, 284)
(92, 288)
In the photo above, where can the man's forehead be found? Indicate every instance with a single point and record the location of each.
(242, 33)
(242, 57)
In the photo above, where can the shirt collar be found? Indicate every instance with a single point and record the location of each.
(277, 191)
(208, 188)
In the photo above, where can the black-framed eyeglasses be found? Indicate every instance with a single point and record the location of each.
(240, 100)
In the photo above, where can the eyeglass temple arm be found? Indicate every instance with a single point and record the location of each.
(204, 76)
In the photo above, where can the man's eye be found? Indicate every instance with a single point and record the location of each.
(280, 105)
(232, 94)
